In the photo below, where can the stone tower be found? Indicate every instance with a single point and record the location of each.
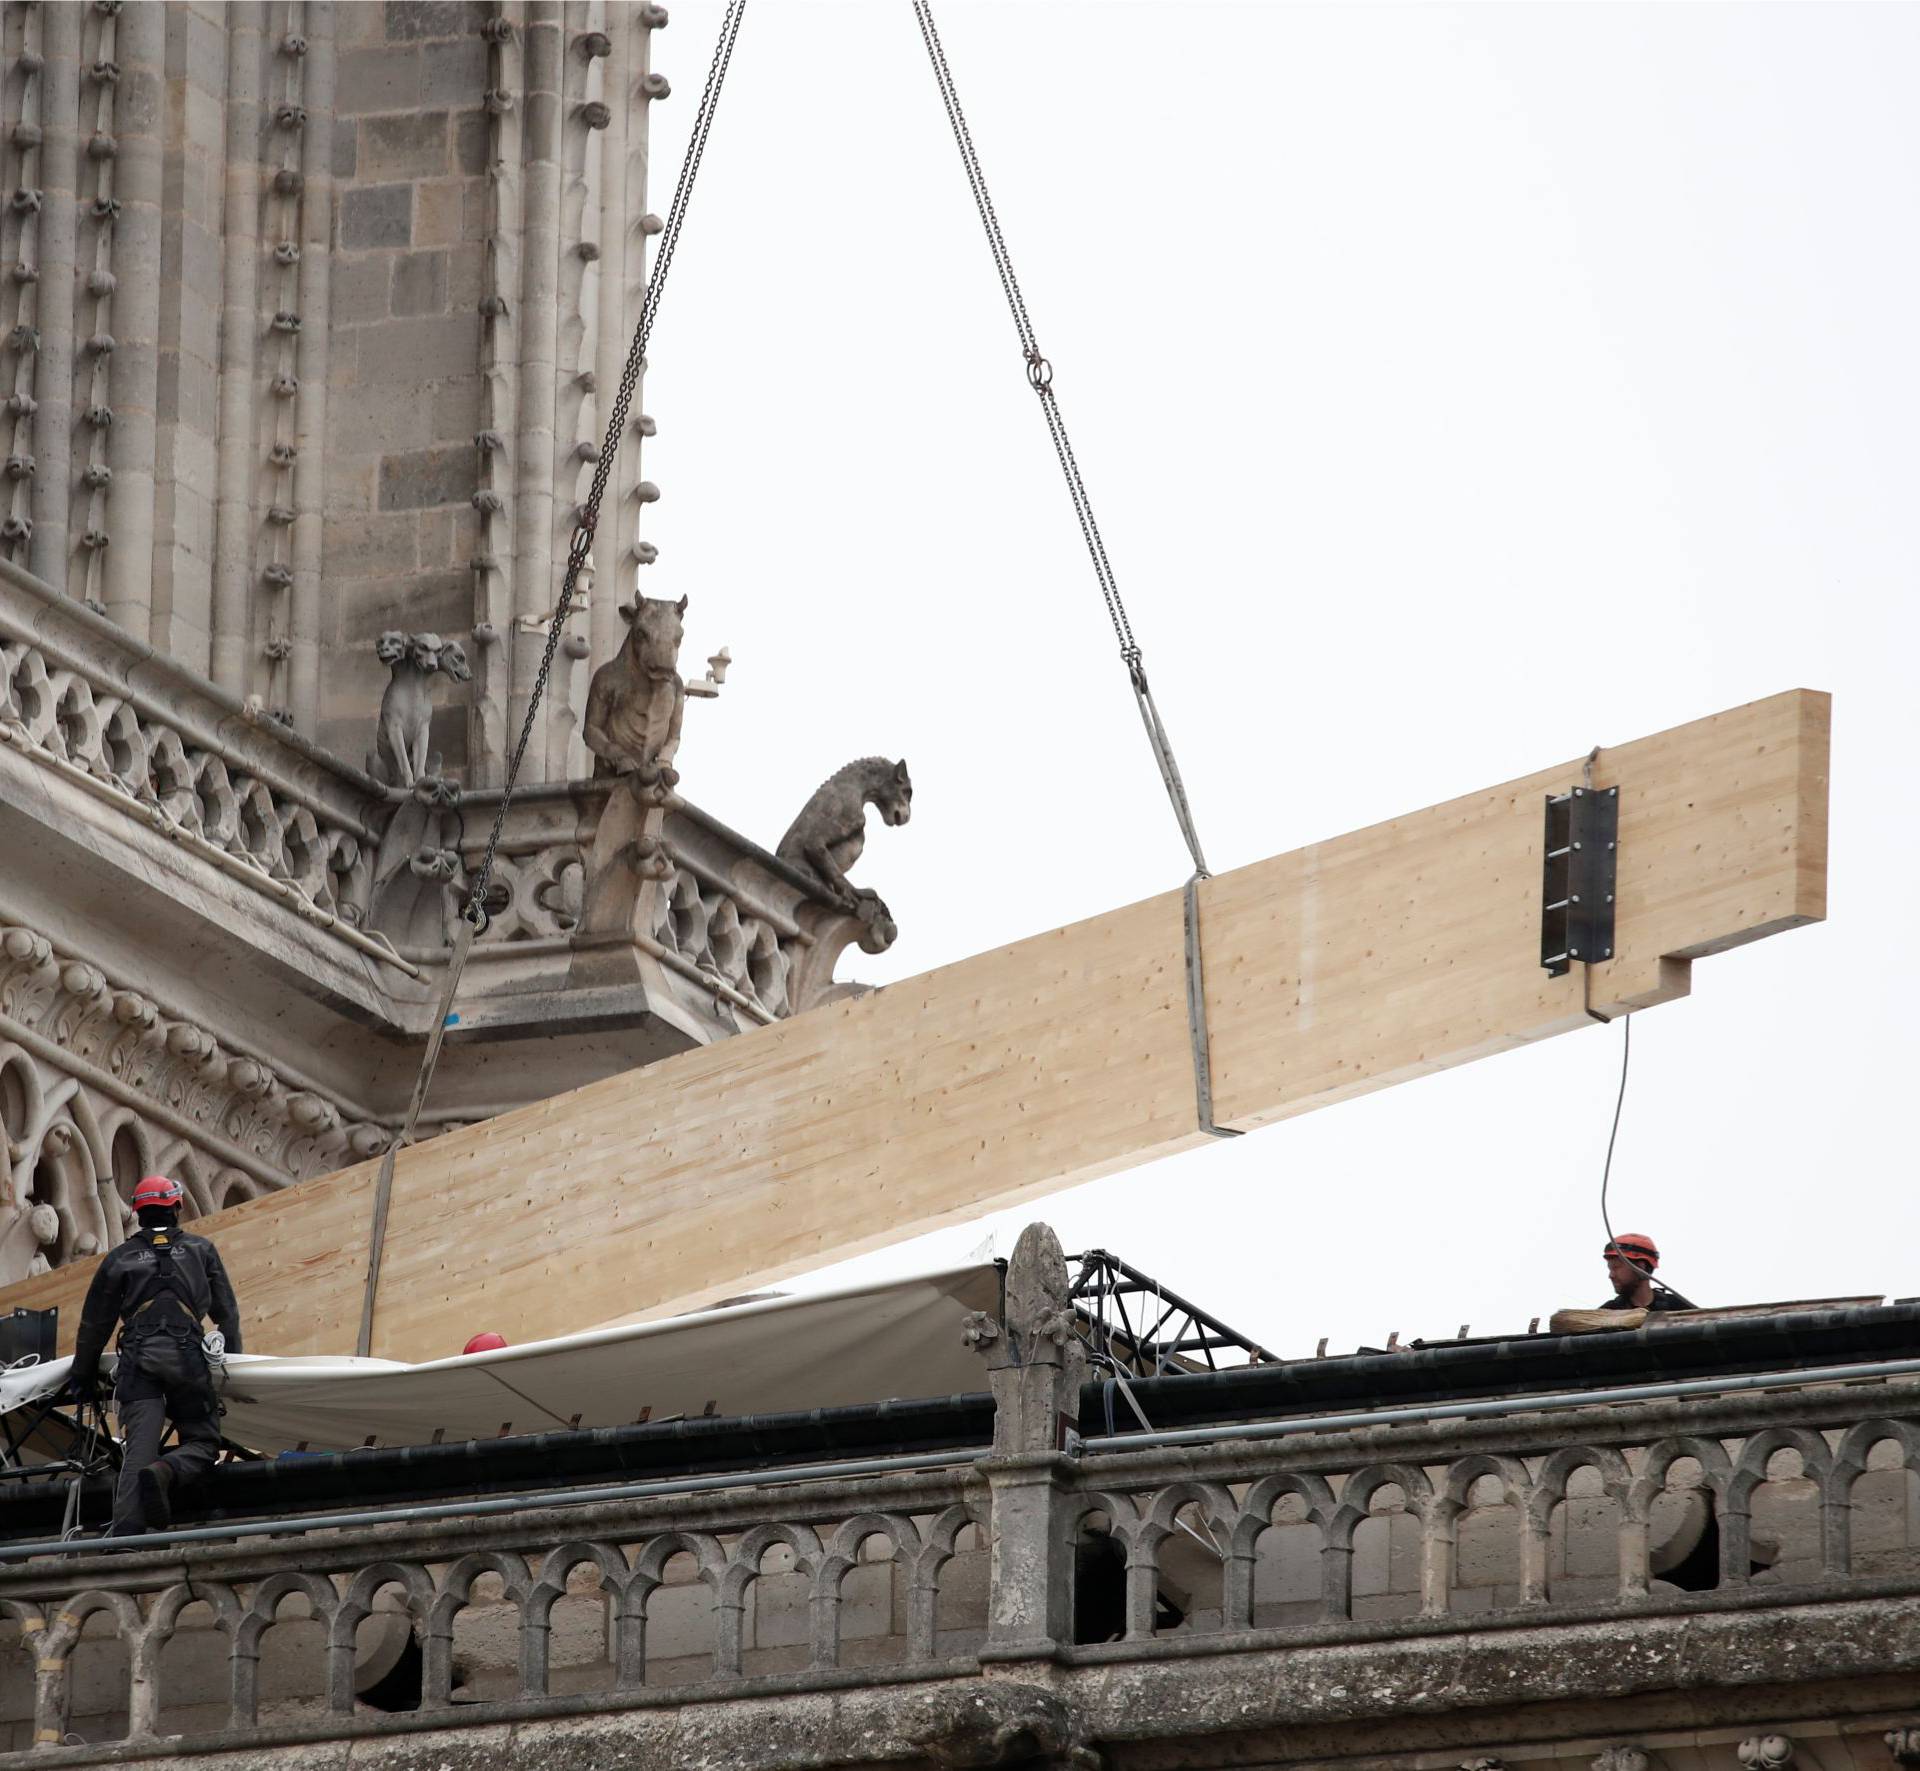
(309, 312)
(312, 316)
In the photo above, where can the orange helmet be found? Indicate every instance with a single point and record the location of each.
(485, 1343)
(158, 1190)
(1640, 1250)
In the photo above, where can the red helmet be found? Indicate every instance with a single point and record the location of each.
(485, 1343)
(158, 1190)
(1640, 1250)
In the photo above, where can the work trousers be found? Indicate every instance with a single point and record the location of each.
(162, 1378)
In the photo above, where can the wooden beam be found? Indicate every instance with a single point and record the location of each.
(1343, 967)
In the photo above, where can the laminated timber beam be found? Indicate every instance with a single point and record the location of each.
(1343, 967)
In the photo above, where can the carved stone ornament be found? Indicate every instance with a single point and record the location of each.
(830, 835)
(1904, 1745)
(1622, 1758)
(1766, 1752)
(399, 757)
(224, 1119)
(637, 700)
(1001, 1722)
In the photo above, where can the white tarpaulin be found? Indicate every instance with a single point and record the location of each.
(874, 1344)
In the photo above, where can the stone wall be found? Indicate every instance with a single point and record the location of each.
(311, 307)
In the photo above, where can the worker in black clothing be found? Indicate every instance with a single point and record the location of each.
(1631, 1259)
(156, 1287)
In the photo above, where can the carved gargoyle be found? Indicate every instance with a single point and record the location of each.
(831, 832)
(399, 757)
(637, 699)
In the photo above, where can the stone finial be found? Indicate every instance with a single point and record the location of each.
(1036, 1361)
(1766, 1752)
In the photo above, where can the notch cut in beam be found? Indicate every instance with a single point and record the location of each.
(1337, 969)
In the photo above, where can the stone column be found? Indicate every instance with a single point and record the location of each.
(139, 117)
(535, 585)
(310, 411)
(1036, 1365)
(55, 294)
(232, 617)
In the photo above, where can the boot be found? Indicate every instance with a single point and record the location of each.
(156, 1484)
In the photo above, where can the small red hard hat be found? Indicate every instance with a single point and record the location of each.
(485, 1343)
(158, 1190)
(1638, 1249)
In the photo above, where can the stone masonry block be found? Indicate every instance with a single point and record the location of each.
(360, 286)
(427, 477)
(456, 410)
(371, 544)
(454, 72)
(386, 78)
(346, 146)
(420, 283)
(436, 534)
(466, 273)
(409, 20)
(470, 142)
(388, 419)
(408, 145)
(417, 350)
(439, 207)
(377, 215)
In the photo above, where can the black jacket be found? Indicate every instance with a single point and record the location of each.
(144, 1286)
(1662, 1300)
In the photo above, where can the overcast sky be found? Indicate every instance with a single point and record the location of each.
(1458, 387)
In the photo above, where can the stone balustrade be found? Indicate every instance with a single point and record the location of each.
(130, 728)
(812, 1584)
(1733, 1510)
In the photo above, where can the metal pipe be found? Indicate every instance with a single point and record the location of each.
(1394, 1417)
(232, 623)
(512, 1503)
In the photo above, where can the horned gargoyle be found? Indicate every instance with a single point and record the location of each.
(831, 832)
(400, 757)
(637, 699)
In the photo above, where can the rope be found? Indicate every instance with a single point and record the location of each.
(1040, 379)
(473, 914)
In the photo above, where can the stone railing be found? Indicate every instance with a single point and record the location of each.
(1455, 1522)
(1607, 1550)
(813, 1585)
(129, 727)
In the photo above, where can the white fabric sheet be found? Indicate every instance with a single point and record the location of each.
(899, 1340)
(836, 1348)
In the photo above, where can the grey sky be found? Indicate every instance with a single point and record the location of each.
(1458, 387)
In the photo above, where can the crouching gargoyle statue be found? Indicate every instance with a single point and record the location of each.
(831, 831)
